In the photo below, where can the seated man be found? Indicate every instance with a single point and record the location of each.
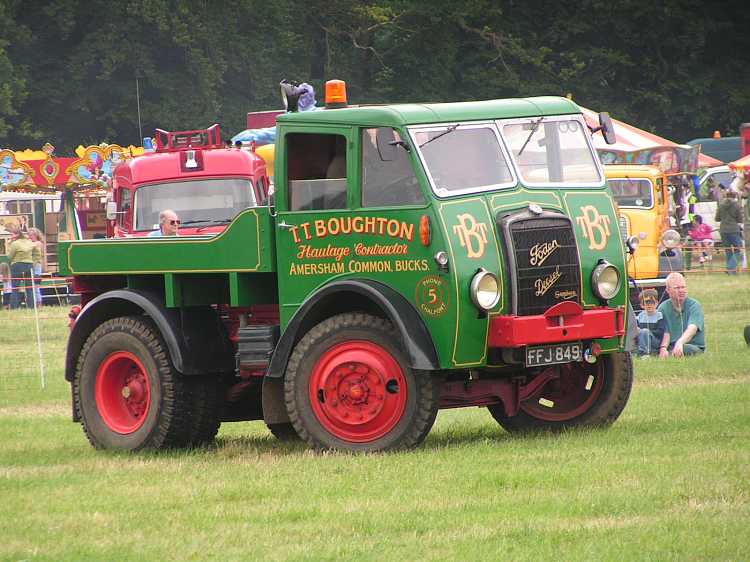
(684, 318)
(169, 224)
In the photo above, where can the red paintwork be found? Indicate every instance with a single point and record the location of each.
(61, 178)
(567, 393)
(167, 164)
(72, 315)
(566, 321)
(123, 392)
(262, 119)
(352, 378)
(563, 385)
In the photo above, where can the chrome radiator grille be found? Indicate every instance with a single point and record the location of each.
(543, 262)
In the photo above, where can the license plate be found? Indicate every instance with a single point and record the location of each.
(553, 354)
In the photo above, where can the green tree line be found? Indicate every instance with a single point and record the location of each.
(76, 72)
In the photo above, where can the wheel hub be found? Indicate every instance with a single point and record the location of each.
(348, 390)
(568, 395)
(123, 392)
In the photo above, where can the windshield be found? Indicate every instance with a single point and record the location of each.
(198, 200)
(636, 193)
(552, 151)
(463, 159)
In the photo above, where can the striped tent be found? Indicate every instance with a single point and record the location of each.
(741, 165)
(630, 139)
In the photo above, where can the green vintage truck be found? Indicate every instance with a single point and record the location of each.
(413, 257)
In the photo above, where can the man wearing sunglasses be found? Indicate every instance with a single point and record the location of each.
(169, 224)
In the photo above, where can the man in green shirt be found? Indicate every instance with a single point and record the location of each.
(684, 318)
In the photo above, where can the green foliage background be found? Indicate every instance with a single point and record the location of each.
(69, 67)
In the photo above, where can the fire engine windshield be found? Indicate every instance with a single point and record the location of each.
(463, 158)
(195, 201)
(552, 151)
(635, 193)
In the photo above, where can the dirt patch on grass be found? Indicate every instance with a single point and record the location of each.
(35, 411)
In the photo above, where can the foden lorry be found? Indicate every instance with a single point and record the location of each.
(412, 258)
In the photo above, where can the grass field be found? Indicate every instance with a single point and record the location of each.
(669, 481)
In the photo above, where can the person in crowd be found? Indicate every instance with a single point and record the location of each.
(682, 209)
(36, 236)
(702, 237)
(169, 224)
(22, 254)
(729, 215)
(745, 191)
(684, 318)
(6, 283)
(652, 328)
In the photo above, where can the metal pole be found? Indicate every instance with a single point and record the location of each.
(43, 379)
(138, 102)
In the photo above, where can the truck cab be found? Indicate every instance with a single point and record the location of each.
(414, 257)
(192, 173)
(642, 194)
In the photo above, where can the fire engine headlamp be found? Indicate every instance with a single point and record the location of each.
(670, 239)
(605, 280)
(485, 290)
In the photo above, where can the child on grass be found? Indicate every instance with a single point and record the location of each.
(652, 328)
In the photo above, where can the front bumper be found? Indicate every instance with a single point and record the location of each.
(566, 321)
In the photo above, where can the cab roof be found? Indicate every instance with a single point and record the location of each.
(415, 114)
(631, 171)
(165, 166)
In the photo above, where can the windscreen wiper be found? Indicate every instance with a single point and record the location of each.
(531, 134)
(436, 137)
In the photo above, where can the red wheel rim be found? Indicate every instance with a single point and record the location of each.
(568, 396)
(358, 391)
(123, 392)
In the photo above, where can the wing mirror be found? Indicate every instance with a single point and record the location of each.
(111, 210)
(607, 128)
(387, 142)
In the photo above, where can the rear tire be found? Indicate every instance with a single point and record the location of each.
(126, 390)
(283, 431)
(205, 393)
(348, 386)
(568, 403)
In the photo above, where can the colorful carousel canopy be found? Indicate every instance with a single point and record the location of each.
(38, 171)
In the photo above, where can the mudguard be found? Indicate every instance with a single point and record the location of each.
(195, 337)
(359, 294)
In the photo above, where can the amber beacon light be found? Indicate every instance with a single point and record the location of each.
(335, 94)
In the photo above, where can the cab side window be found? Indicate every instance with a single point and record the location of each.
(126, 196)
(316, 171)
(387, 181)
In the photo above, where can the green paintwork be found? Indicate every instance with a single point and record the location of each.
(246, 245)
(415, 114)
(285, 258)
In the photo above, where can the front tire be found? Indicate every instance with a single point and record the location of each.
(127, 392)
(583, 396)
(348, 386)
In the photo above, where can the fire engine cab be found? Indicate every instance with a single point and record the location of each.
(191, 173)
